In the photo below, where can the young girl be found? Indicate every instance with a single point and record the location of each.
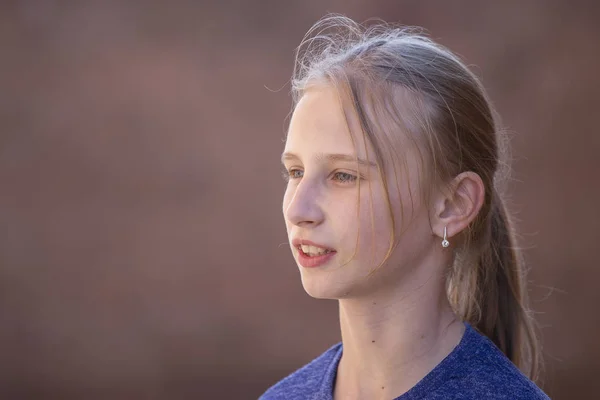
(393, 158)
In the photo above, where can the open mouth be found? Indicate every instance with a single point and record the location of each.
(311, 254)
(313, 251)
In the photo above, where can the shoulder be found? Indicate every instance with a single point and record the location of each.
(488, 374)
(496, 381)
(310, 379)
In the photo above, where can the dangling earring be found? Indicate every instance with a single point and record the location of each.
(445, 242)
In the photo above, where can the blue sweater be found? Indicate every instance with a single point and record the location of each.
(475, 369)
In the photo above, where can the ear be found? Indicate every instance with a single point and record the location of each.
(456, 208)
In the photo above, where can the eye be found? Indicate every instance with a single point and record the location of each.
(292, 173)
(344, 177)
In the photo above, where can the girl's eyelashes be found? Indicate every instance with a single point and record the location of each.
(340, 177)
(344, 177)
(292, 173)
(295, 173)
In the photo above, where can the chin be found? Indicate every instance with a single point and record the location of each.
(324, 286)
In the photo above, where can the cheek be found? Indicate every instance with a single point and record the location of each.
(287, 198)
(286, 201)
(375, 224)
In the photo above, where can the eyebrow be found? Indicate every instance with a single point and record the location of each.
(331, 157)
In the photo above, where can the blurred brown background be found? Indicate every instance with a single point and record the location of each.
(140, 220)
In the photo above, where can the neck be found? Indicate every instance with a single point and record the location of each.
(393, 338)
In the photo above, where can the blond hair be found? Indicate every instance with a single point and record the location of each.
(447, 112)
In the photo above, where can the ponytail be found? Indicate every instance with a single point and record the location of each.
(491, 293)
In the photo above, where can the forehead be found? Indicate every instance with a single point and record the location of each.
(321, 123)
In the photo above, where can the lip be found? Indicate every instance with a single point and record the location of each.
(298, 242)
(315, 261)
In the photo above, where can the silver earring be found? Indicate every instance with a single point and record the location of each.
(445, 242)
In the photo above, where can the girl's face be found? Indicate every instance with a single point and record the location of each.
(335, 242)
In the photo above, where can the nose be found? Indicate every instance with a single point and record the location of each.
(302, 205)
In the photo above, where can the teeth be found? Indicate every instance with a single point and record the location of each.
(313, 250)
